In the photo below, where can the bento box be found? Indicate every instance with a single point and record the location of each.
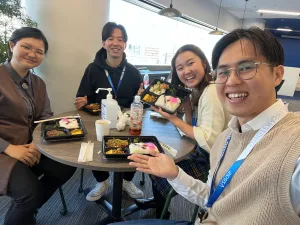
(120, 147)
(63, 129)
(167, 96)
(93, 108)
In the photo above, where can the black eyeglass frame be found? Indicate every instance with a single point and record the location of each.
(214, 72)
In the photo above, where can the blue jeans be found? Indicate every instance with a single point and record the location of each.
(154, 222)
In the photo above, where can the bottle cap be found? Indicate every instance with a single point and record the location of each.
(137, 98)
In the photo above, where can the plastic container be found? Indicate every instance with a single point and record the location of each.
(150, 97)
(136, 116)
(146, 80)
(109, 108)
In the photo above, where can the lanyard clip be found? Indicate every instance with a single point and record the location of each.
(203, 214)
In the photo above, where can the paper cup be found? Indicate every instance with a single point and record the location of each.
(102, 128)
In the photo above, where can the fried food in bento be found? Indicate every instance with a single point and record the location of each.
(159, 88)
(115, 143)
(149, 98)
(115, 151)
(95, 107)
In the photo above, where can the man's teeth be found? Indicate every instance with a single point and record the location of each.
(238, 95)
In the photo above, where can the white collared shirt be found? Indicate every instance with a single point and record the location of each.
(255, 124)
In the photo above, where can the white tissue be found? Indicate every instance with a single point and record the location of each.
(122, 121)
(86, 152)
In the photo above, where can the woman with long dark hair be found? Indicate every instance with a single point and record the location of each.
(204, 116)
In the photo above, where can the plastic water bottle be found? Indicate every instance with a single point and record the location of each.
(146, 80)
(136, 116)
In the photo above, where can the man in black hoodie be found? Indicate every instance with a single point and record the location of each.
(110, 69)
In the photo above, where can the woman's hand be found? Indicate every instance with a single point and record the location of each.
(32, 146)
(23, 153)
(186, 106)
(80, 102)
(141, 89)
(159, 165)
(163, 114)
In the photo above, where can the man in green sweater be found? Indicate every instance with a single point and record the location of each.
(255, 165)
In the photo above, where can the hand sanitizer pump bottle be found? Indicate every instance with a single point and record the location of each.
(109, 108)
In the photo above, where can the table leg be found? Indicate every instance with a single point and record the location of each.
(117, 194)
(115, 215)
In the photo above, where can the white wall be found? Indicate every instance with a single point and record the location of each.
(73, 29)
(205, 11)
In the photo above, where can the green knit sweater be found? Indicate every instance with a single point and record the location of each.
(259, 192)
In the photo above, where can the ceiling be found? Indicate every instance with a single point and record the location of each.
(273, 21)
(236, 7)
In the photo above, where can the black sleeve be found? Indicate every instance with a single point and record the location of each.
(87, 85)
(139, 79)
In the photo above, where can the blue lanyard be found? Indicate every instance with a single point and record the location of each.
(194, 118)
(111, 83)
(215, 194)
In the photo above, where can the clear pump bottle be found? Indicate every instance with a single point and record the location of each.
(109, 108)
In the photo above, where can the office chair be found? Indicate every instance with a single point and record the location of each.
(171, 194)
(64, 210)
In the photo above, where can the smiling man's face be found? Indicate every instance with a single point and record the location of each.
(115, 44)
(247, 98)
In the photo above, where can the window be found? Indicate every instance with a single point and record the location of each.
(154, 39)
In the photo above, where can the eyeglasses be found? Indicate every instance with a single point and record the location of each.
(245, 71)
(27, 49)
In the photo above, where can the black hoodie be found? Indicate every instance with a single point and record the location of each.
(94, 77)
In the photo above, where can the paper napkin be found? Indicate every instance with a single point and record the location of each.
(86, 152)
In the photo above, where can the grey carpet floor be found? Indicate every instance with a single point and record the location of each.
(83, 212)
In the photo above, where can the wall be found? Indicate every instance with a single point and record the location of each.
(254, 22)
(73, 29)
(291, 51)
(205, 11)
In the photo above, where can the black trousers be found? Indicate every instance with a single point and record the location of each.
(103, 175)
(29, 193)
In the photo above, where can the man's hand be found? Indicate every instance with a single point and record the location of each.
(80, 102)
(141, 89)
(159, 165)
(22, 153)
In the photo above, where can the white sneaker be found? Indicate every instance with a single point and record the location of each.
(98, 191)
(132, 190)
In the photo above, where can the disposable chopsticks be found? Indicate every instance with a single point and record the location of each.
(57, 118)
